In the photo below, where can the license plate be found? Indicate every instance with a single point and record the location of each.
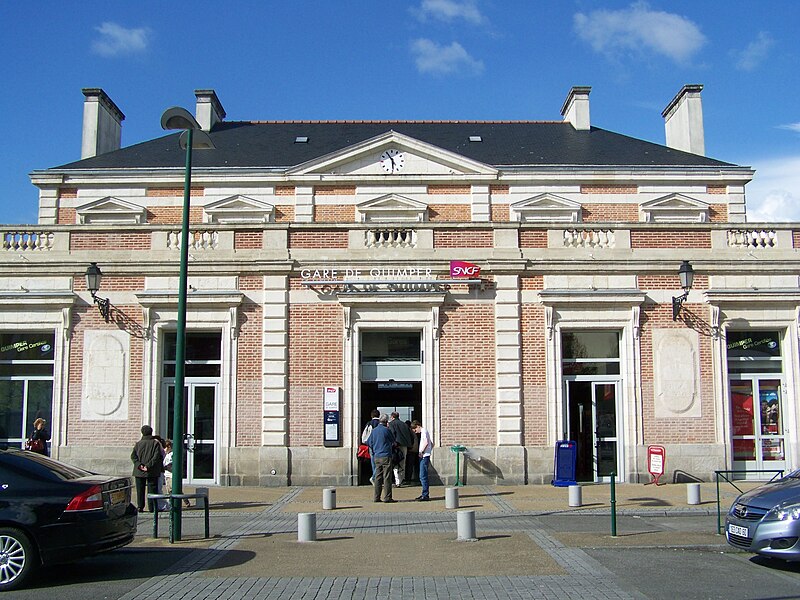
(736, 530)
(118, 497)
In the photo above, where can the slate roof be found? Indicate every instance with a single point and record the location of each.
(271, 145)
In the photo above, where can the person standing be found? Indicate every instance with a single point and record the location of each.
(41, 434)
(148, 463)
(380, 442)
(371, 424)
(425, 447)
(404, 439)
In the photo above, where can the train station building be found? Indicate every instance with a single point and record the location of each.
(508, 283)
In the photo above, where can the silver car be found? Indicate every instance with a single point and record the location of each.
(766, 520)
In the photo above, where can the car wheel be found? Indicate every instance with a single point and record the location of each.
(17, 558)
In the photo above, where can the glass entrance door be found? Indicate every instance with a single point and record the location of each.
(757, 423)
(200, 427)
(591, 421)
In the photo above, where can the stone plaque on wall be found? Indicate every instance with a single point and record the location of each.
(105, 376)
(676, 373)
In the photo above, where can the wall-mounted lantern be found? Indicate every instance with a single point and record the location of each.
(93, 277)
(686, 274)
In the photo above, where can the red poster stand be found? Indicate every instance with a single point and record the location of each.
(656, 457)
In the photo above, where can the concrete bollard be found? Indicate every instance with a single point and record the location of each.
(465, 523)
(693, 493)
(200, 490)
(307, 527)
(451, 497)
(575, 495)
(328, 498)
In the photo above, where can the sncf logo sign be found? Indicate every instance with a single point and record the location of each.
(459, 268)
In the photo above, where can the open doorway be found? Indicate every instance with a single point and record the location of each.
(403, 397)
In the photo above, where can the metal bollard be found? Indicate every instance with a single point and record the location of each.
(693, 493)
(575, 495)
(329, 498)
(307, 527)
(451, 497)
(200, 490)
(465, 523)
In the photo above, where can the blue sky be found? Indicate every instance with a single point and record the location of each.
(419, 59)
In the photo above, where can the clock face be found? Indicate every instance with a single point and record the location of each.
(392, 160)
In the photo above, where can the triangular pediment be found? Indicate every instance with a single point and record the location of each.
(239, 209)
(418, 158)
(674, 208)
(545, 207)
(391, 208)
(110, 210)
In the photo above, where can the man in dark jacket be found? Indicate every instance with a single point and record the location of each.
(380, 444)
(405, 439)
(148, 464)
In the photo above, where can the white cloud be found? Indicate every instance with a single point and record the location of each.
(450, 10)
(638, 29)
(774, 193)
(116, 40)
(436, 59)
(755, 53)
(791, 127)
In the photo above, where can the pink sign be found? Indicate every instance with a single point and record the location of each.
(460, 268)
(655, 462)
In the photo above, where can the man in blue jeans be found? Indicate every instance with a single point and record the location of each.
(425, 447)
(380, 442)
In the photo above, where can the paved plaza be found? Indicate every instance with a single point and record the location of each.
(410, 549)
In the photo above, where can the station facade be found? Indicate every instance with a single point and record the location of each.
(509, 284)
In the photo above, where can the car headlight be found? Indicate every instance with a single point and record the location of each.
(789, 511)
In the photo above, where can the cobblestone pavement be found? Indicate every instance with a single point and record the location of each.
(254, 552)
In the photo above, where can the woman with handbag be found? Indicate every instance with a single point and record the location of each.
(39, 438)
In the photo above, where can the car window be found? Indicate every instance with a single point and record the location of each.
(39, 466)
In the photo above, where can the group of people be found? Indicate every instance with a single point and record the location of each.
(389, 437)
(152, 469)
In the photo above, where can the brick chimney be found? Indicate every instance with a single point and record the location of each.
(102, 123)
(209, 109)
(683, 121)
(576, 108)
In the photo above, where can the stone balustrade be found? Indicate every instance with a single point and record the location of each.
(28, 241)
(752, 238)
(390, 237)
(199, 239)
(589, 238)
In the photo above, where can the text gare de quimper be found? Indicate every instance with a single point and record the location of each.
(329, 274)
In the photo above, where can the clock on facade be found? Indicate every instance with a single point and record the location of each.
(392, 160)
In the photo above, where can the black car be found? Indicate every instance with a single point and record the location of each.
(51, 512)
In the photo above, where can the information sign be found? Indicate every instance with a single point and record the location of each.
(656, 456)
(332, 427)
(565, 463)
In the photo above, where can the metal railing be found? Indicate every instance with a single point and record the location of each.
(724, 475)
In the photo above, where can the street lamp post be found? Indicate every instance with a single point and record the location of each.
(177, 118)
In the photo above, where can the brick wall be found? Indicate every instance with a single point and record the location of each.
(109, 241)
(247, 240)
(604, 188)
(716, 189)
(498, 189)
(531, 282)
(610, 213)
(173, 215)
(500, 213)
(718, 213)
(318, 239)
(467, 375)
(449, 213)
(669, 282)
(68, 193)
(248, 374)
(534, 370)
(334, 213)
(112, 283)
(96, 433)
(67, 216)
(434, 190)
(315, 360)
(530, 238)
(470, 238)
(335, 190)
(250, 282)
(676, 430)
(164, 192)
(284, 190)
(284, 213)
(665, 238)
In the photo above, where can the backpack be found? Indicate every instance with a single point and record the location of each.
(367, 431)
